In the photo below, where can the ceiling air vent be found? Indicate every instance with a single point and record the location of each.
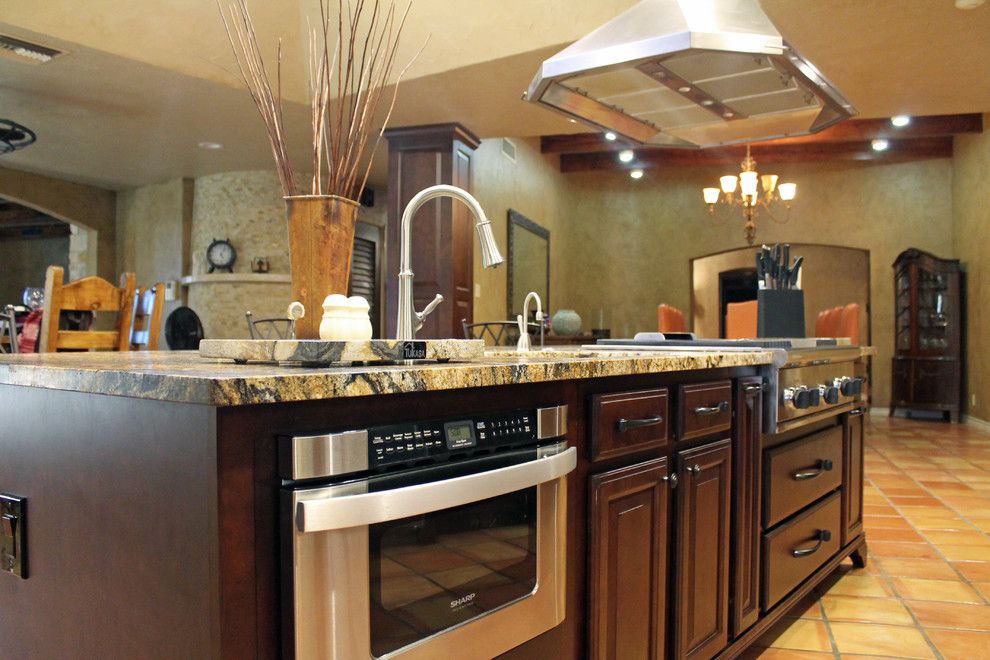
(26, 51)
(509, 149)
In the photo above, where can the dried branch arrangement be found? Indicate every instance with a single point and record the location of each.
(351, 60)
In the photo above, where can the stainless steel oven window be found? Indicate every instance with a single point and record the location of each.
(439, 570)
(331, 556)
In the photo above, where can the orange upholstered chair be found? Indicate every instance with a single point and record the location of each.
(740, 320)
(670, 319)
(848, 325)
(821, 324)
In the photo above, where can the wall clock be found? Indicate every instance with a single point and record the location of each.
(221, 255)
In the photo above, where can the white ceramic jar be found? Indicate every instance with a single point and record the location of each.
(345, 319)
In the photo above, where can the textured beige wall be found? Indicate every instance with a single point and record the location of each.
(152, 229)
(534, 186)
(644, 232)
(93, 208)
(971, 207)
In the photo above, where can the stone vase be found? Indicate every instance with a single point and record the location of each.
(566, 323)
(321, 238)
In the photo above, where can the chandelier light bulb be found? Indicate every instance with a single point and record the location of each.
(769, 182)
(626, 155)
(728, 183)
(900, 120)
(711, 195)
(787, 191)
(747, 183)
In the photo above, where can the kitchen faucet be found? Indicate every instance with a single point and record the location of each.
(410, 321)
(523, 344)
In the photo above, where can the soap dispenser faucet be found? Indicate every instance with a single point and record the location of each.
(409, 320)
(523, 345)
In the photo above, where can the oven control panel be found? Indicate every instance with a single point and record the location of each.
(399, 443)
(386, 446)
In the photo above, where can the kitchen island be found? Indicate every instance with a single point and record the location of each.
(154, 527)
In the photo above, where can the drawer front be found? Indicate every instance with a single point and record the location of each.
(628, 422)
(705, 409)
(798, 473)
(796, 549)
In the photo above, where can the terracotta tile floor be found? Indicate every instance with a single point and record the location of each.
(925, 592)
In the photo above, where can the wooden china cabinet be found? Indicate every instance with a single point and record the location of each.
(927, 363)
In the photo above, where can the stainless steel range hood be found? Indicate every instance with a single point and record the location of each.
(695, 73)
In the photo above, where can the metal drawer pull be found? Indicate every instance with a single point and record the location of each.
(753, 388)
(625, 424)
(694, 469)
(721, 407)
(672, 480)
(856, 411)
(821, 466)
(821, 536)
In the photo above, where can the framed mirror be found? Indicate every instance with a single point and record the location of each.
(528, 262)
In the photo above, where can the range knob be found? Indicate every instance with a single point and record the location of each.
(829, 393)
(802, 397)
(849, 386)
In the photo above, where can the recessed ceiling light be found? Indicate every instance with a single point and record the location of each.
(212, 146)
(636, 174)
(728, 113)
(900, 120)
(573, 121)
(707, 102)
(626, 156)
(968, 4)
(610, 136)
(684, 90)
(879, 144)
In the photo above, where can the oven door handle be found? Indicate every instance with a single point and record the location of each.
(321, 514)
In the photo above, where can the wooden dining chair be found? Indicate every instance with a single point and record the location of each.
(90, 294)
(146, 324)
(8, 330)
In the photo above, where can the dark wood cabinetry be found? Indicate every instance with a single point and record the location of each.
(628, 548)
(854, 432)
(927, 364)
(746, 488)
(702, 575)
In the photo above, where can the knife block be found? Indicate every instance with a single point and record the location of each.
(780, 313)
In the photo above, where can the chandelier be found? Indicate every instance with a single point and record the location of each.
(749, 197)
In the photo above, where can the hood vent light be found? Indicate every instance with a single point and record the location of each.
(26, 51)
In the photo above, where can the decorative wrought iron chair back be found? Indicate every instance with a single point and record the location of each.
(270, 328)
(500, 333)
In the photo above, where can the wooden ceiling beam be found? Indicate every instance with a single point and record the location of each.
(852, 130)
(899, 150)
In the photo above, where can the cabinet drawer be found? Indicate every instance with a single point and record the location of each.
(798, 473)
(796, 549)
(628, 422)
(705, 409)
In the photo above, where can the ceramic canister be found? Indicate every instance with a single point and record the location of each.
(345, 319)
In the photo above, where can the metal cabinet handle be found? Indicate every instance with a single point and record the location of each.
(821, 466)
(671, 479)
(753, 388)
(694, 469)
(626, 424)
(720, 407)
(818, 363)
(821, 536)
(857, 411)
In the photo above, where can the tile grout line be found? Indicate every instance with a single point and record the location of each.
(921, 532)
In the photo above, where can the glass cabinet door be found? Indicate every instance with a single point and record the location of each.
(903, 310)
(935, 315)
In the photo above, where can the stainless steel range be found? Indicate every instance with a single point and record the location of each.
(810, 380)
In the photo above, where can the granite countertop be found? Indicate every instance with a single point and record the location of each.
(184, 376)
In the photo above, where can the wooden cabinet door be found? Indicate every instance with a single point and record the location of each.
(854, 429)
(702, 575)
(628, 562)
(746, 478)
